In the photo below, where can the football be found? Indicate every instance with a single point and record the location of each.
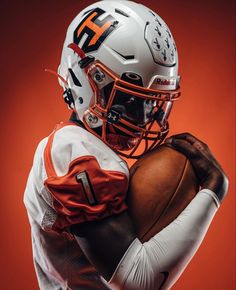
(162, 183)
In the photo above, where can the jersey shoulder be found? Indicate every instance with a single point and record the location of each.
(86, 180)
(72, 142)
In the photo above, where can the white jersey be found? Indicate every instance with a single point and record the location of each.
(75, 178)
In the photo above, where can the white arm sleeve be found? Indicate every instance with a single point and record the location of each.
(158, 263)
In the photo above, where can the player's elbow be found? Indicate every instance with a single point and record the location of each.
(139, 269)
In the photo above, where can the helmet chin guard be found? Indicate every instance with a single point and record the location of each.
(121, 64)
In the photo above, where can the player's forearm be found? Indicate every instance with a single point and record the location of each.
(181, 239)
(158, 263)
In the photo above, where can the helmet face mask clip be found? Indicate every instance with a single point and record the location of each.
(68, 98)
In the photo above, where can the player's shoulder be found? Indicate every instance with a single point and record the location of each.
(70, 142)
(70, 139)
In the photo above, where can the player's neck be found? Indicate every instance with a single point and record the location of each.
(73, 118)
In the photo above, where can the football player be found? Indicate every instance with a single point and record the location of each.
(119, 73)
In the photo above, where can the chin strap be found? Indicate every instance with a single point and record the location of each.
(57, 75)
(85, 61)
(67, 94)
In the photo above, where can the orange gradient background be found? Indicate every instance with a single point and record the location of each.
(32, 35)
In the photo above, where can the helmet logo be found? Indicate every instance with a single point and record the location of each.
(94, 31)
(113, 116)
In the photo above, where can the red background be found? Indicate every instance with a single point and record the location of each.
(32, 33)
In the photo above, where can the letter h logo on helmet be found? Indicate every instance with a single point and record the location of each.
(96, 30)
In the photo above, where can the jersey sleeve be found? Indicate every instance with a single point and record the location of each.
(88, 190)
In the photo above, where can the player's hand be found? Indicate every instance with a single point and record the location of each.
(207, 168)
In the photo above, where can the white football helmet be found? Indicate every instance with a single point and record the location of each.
(119, 72)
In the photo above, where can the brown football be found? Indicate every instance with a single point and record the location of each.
(162, 183)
